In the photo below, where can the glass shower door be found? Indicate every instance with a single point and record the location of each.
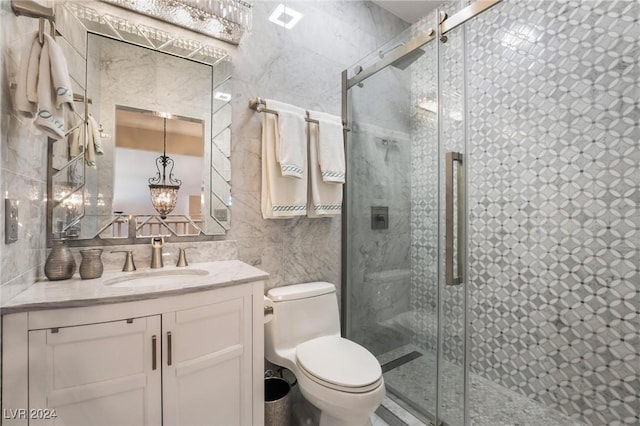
(452, 383)
(397, 303)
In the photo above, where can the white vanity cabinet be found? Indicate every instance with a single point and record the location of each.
(93, 374)
(190, 359)
(206, 364)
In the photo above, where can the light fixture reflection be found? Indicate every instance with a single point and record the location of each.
(164, 186)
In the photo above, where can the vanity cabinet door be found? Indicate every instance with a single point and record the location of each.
(207, 370)
(98, 374)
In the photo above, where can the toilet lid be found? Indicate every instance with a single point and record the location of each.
(339, 361)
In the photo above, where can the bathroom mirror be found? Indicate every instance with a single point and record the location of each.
(99, 176)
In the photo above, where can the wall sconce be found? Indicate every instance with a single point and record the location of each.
(163, 186)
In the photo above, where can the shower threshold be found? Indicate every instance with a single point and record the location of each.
(397, 396)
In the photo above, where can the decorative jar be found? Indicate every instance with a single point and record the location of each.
(60, 264)
(91, 264)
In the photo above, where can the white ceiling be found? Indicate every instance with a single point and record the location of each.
(408, 10)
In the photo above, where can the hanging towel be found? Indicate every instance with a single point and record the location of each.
(26, 91)
(94, 130)
(54, 90)
(92, 145)
(291, 146)
(281, 196)
(325, 199)
(330, 146)
(59, 74)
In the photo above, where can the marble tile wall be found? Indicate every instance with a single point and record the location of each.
(22, 166)
(379, 258)
(378, 149)
(300, 66)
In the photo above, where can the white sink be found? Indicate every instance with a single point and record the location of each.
(160, 277)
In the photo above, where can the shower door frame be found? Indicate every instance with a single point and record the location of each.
(444, 25)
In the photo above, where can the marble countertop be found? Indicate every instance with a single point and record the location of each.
(112, 287)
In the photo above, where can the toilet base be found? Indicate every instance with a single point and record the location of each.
(328, 420)
(339, 408)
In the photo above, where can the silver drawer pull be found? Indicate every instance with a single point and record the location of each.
(154, 352)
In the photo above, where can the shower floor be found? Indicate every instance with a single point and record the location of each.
(490, 404)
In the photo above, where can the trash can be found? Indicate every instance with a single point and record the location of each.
(277, 402)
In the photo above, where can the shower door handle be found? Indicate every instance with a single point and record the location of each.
(451, 159)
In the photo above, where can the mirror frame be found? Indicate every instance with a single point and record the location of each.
(77, 22)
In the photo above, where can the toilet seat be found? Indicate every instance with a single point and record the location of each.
(339, 364)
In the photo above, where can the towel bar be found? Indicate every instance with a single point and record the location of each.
(260, 105)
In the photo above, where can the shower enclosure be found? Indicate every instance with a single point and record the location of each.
(491, 232)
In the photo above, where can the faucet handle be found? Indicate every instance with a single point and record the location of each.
(129, 266)
(182, 257)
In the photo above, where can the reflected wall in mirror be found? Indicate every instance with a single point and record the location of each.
(99, 177)
(140, 141)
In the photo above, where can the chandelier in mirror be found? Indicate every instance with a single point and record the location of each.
(225, 20)
(164, 186)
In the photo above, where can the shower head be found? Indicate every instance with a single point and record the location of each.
(408, 59)
(403, 62)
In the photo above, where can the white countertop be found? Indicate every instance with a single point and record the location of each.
(76, 292)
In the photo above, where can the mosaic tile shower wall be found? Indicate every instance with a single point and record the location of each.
(554, 244)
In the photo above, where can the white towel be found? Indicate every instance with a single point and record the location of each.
(59, 74)
(291, 140)
(54, 90)
(26, 92)
(281, 196)
(325, 198)
(48, 120)
(44, 85)
(92, 145)
(94, 128)
(330, 146)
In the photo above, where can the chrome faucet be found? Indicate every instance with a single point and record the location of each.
(156, 252)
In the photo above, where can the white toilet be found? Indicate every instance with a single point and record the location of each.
(338, 376)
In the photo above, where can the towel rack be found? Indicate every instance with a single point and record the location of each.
(260, 105)
(32, 9)
(77, 97)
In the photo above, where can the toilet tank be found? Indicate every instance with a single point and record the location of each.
(301, 312)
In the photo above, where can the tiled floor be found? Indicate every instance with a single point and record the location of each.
(490, 404)
(377, 421)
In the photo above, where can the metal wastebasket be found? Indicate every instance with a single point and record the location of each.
(277, 402)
